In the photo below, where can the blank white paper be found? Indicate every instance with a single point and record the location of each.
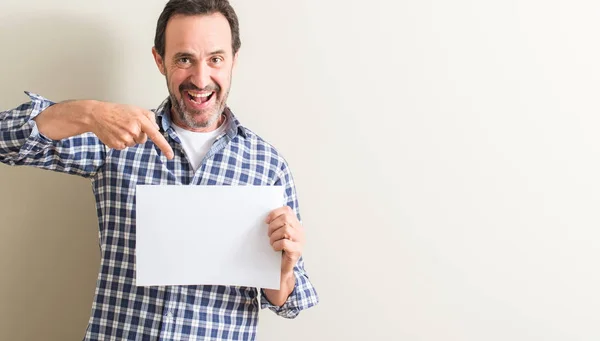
(206, 235)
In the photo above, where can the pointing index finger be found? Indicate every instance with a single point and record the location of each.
(149, 127)
(151, 116)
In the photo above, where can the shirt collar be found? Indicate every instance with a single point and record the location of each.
(163, 118)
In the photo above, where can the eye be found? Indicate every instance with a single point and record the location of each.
(216, 60)
(184, 60)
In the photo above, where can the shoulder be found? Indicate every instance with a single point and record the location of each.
(264, 151)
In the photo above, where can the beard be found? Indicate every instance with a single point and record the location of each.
(189, 115)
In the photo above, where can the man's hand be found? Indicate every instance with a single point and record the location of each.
(117, 125)
(286, 234)
(120, 126)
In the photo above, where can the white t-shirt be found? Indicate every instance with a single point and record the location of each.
(196, 144)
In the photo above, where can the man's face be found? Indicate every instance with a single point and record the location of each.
(198, 65)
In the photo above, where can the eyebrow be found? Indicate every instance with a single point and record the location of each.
(190, 55)
(217, 52)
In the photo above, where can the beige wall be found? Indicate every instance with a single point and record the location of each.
(445, 152)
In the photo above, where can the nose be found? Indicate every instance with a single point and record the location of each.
(201, 75)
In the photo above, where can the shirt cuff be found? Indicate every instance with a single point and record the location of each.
(303, 296)
(38, 104)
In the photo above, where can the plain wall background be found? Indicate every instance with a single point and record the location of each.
(445, 153)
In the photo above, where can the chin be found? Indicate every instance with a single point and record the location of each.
(199, 120)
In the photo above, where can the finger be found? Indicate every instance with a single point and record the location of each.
(152, 117)
(286, 232)
(277, 224)
(281, 221)
(153, 133)
(126, 139)
(285, 245)
(119, 145)
(141, 138)
(278, 212)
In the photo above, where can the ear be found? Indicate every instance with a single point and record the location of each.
(235, 58)
(159, 61)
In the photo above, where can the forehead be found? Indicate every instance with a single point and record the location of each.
(197, 34)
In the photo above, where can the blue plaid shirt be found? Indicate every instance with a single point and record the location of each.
(121, 310)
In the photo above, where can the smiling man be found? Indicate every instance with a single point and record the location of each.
(192, 138)
(198, 68)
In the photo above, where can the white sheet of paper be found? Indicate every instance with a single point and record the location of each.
(206, 235)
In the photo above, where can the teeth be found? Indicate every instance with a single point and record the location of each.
(199, 95)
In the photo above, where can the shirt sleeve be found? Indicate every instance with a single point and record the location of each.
(304, 294)
(21, 143)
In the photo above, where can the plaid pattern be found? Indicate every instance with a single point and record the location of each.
(121, 310)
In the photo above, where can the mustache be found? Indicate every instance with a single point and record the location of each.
(190, 86)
